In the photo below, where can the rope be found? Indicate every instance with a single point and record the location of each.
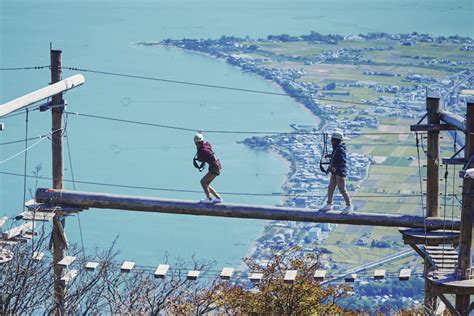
(74, 184)
(26, 160)
(454, 181)
(446, 173)
(421, 184)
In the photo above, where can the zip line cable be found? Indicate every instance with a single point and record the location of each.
(276, 194)
(217, 86)
(187, 129)
(24, 68)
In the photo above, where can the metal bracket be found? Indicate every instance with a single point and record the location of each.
(48, 105)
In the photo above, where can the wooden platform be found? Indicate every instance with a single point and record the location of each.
(417, 236)
(449, 283)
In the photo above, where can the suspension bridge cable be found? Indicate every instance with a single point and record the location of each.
(187, 129)
(109, 73)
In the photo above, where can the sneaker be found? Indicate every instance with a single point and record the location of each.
(327, 207)
(217, 200)
(206, 200)
(347, 209)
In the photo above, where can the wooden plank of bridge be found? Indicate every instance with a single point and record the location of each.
(379, 274)
(256, 277)
(404, 274)
(127, 266)
(37, 256)
(319, 275)
(350, 278)
(91, 265)
(17, 231)
(193, 275)
(161, 271)
(290, 276)
(226, 273)
(71, 274)
(37, 216)
(67, 261)
(3, 220)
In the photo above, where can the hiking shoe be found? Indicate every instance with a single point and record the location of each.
(217, 200)
(327, 207)
(206, 200)
(347, 209)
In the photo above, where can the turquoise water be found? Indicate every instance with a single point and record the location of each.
(101, 35)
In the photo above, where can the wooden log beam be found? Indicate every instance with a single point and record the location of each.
(431, 127)
(454, 120)
(41, 94)
(87, 200)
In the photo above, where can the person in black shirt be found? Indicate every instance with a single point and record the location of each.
(338, 169)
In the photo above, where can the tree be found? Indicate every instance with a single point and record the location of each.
(273, 296)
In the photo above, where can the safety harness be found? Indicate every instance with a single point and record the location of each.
(198, 166)
(325, 159)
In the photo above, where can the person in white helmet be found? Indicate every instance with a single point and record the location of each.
(205, 155)
(338, 170)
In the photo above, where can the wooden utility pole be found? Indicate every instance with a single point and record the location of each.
(58, 237)
(432, 173)
(432, 184)
(467, 214)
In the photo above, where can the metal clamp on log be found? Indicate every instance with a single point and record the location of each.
(48, 105)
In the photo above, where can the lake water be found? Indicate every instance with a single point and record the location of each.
(101, 35)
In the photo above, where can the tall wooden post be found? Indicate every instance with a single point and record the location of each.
(432, 173)
(432, 185)
(57, 170)
(467, 216)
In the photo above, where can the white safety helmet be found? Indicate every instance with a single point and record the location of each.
(337, 135)
(199, 137)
